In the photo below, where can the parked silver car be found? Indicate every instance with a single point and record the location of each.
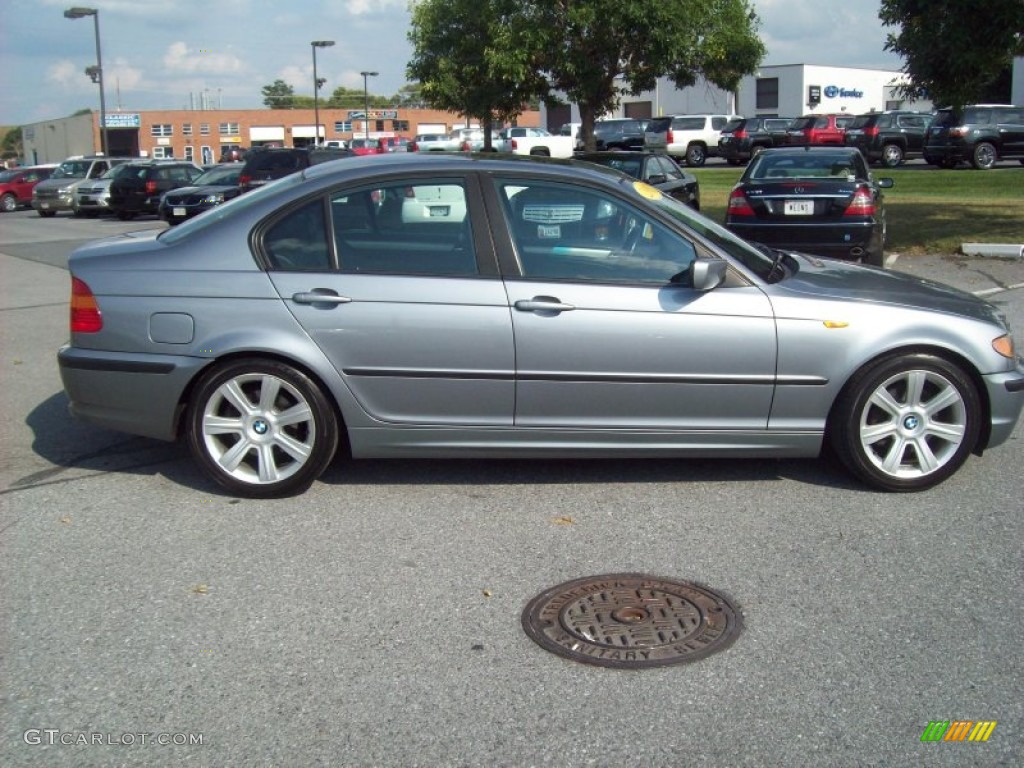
(570, 311)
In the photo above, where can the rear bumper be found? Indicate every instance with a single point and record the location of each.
(136, 393)
(835, 240)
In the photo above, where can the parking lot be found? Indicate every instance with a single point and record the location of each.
(375, 620)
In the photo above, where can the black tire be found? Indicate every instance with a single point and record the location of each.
(47, 214)
(732, 161)
(540, 152)
(696, 154)
(892, 155)
(886, 431)
(125, 215)
(875, 258)
(247, 447)
(8, 203)
(984, 156)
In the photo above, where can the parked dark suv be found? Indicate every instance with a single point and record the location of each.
(617, 134)
(743, 137)
(888, 137)
(137, 188)
(982, 134)
(263, 165)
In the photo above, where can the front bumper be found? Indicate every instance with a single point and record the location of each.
(1006, 401)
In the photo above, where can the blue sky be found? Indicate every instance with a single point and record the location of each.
(167, 55)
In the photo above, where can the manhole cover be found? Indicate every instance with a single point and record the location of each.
(629, 620)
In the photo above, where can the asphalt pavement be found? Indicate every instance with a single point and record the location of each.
(375, 620)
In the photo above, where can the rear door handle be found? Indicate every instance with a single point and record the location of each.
(320, 296)
(542, 304)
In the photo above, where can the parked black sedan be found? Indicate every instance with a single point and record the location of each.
(820, 200)
(216, 185)
(656, 168)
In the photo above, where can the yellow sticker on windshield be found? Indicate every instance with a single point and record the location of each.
(647, 190)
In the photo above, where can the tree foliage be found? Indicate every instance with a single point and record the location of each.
(954, 49)
(278, 95)
(464, 63)
(590, 51)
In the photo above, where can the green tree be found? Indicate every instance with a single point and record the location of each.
(11, 146)
(954, 49)
(464, 62)
(278, 95)
(593, 51)
(355, 98)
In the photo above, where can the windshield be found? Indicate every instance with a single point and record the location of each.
(113, 173)
(8, 175)
(71, 169)
(758, 261)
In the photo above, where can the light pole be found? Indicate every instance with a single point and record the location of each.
(317, 82)
(96, 73)
(366, 101)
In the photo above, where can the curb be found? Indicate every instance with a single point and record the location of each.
(993, 250)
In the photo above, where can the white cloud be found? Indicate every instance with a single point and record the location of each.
(63, 72)
(206, 59)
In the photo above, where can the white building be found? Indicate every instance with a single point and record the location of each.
(786, 90)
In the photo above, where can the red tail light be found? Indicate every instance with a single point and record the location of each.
(872, 131)
(150, 187)
(465, 146)
(740, 134)
(412, 147)
(85, 312)
(668, 137)
(863, 203)
(739, 205)
(515, 145)
(244, 180)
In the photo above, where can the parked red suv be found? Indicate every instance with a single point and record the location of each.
(16, 185)
(818, 129)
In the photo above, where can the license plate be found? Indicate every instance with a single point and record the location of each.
(178, 211)
(44, 206)
(549, 231)
(439, 210)
(799, 208)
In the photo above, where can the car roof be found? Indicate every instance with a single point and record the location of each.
(443, 162)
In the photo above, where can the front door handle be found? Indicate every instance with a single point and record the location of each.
(542, 304)
(320, 296)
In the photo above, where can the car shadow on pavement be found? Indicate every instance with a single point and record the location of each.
(76, 449)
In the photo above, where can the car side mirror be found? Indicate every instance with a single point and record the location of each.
(885, 183)
(658, 178)
(704, 273)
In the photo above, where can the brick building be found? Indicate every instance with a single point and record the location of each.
(203, 135)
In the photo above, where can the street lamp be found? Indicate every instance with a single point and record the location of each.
(366, 101)
(317, 82)
(96, 73)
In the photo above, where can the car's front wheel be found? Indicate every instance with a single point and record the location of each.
(261, 428)
(906, 423)
(8, 203)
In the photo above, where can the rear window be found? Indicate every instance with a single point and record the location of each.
(861, 121)
(735, 125)
(688, 124)
(659, 125)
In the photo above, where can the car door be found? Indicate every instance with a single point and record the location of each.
(605, 339)
(1011, 131)
(403, 297)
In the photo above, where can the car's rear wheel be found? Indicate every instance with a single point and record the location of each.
(261, 428)
(906, 423)
(892, 155)
(984, 156)
(696, 154)
(8, 203)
